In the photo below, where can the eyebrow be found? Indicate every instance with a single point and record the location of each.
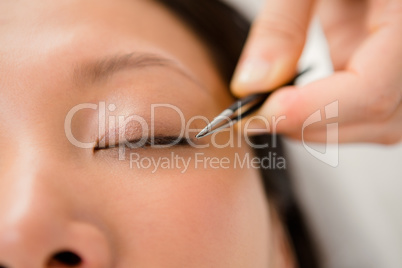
(102, 69)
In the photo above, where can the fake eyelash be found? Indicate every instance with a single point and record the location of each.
(152, 142)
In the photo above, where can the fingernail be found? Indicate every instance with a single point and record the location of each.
(253, 72)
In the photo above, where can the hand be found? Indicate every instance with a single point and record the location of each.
(365, 40)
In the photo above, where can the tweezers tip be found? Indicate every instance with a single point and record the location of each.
(209, 129)
(202, 133)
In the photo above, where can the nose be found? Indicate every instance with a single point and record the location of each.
(41, 227)
(35, 246)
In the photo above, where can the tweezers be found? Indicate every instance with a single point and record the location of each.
(250, 103)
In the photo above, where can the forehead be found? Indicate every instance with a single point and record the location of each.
(36, 36)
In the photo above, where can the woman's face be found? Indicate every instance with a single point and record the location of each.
(71, 75)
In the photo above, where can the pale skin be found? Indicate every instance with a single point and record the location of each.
(365, 45)
(56, 197)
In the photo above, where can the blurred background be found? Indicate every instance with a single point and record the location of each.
(354, 208)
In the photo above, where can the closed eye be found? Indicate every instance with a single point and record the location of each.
(157, 142)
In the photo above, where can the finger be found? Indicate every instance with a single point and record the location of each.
(274, 46)
(346, 98)
(387, 132)
(344, 24)
(328, 130)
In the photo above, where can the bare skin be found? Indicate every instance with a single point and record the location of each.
(57, 197)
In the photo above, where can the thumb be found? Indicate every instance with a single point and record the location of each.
(274, 46)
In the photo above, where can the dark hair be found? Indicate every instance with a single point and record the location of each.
(224, 31)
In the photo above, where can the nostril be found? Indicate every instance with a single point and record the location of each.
(62, 259)
(65, 258)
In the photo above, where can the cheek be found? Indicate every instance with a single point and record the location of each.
(204, 216)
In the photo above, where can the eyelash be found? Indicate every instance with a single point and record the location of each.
(152, 142)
